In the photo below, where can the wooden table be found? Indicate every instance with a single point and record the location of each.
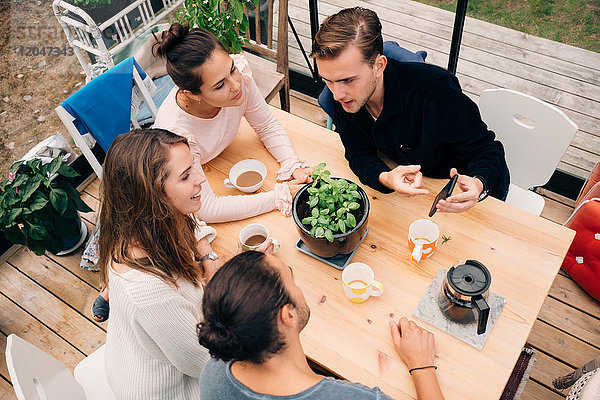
(523, 253)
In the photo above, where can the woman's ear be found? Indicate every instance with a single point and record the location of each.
(191, 96)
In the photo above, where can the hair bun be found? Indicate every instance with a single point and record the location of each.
(170, 38)
(220, 341)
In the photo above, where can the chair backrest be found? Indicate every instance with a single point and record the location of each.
(110, 92)
(36, 375)
(535, 134)
(104, 39)
(262, 41)
(91, 374)
(391, 50)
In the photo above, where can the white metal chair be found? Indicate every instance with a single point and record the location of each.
(37, 375)
(96, 89)
(535, 136)
(85, 35)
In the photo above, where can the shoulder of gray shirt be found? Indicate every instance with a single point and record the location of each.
(215, 384)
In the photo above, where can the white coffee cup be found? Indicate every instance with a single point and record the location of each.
(246, 166)
(251, 230)
(423, 235)
(359, 282)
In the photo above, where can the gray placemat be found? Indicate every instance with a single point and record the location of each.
(429, 311)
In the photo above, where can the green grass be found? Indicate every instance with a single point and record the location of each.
(574, 22)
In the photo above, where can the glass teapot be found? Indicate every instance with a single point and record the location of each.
(464, 293)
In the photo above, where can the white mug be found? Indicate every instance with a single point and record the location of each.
(359, 282)
(423, 237)
(246, 166)
(256, 229)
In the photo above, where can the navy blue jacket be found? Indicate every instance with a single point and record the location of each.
(426, 120)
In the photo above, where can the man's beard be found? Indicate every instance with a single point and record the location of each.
(363, 101)
(303, 316)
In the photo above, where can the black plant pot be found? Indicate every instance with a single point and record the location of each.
(343, 243)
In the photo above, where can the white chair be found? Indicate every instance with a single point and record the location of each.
(96, 89)
(85, 35)
(91, 374)
(535, 136)
(36, 375)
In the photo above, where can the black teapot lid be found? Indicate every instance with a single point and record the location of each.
(470, 278)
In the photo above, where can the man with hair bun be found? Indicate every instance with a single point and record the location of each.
(253, 315)
(413, 113)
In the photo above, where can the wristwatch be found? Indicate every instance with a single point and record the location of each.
(485, 192)
(211, 255)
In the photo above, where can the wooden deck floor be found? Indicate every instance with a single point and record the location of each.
(490, 57)
(46, 300)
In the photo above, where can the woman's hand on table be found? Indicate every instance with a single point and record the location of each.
(267, 247)
(294, 188)
(301, 175)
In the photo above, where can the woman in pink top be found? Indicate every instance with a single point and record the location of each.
(213, 92)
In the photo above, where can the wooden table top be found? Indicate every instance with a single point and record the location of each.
(522, 251)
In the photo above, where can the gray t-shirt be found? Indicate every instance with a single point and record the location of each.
(218, 383)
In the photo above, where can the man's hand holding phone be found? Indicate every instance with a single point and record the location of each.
(404, 179)
(471, 189)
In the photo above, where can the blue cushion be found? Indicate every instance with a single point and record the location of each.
(390, 50)
(164, 84)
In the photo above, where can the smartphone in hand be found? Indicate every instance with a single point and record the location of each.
(443, 194)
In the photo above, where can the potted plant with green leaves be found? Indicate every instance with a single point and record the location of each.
(39, 207)
(226, 19)
(331, 214)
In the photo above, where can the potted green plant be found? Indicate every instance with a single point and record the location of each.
(331, 214)
(226, 19)
(39, 211)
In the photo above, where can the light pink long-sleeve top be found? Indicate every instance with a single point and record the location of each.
(208, 137)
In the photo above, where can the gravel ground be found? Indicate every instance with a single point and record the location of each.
(37, 72)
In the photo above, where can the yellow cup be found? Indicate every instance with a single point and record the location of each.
(359, 282)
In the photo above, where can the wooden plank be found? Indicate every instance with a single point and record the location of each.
(265, 74)
(571, 320)
(535, 391)
(567, 202)
(16, 320)
(94, 203)
(546, 368)
(560, 345)
(57, 280)
(475, 27)
(568, 291)
(3, 367)
(50, 310)
(6, 391)
(304, 109)
(93, 188)
(497, 40)
(556, 211)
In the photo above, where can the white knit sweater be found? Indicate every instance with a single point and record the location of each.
(152, 350)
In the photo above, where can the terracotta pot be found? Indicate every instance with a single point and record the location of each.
(342, 242)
